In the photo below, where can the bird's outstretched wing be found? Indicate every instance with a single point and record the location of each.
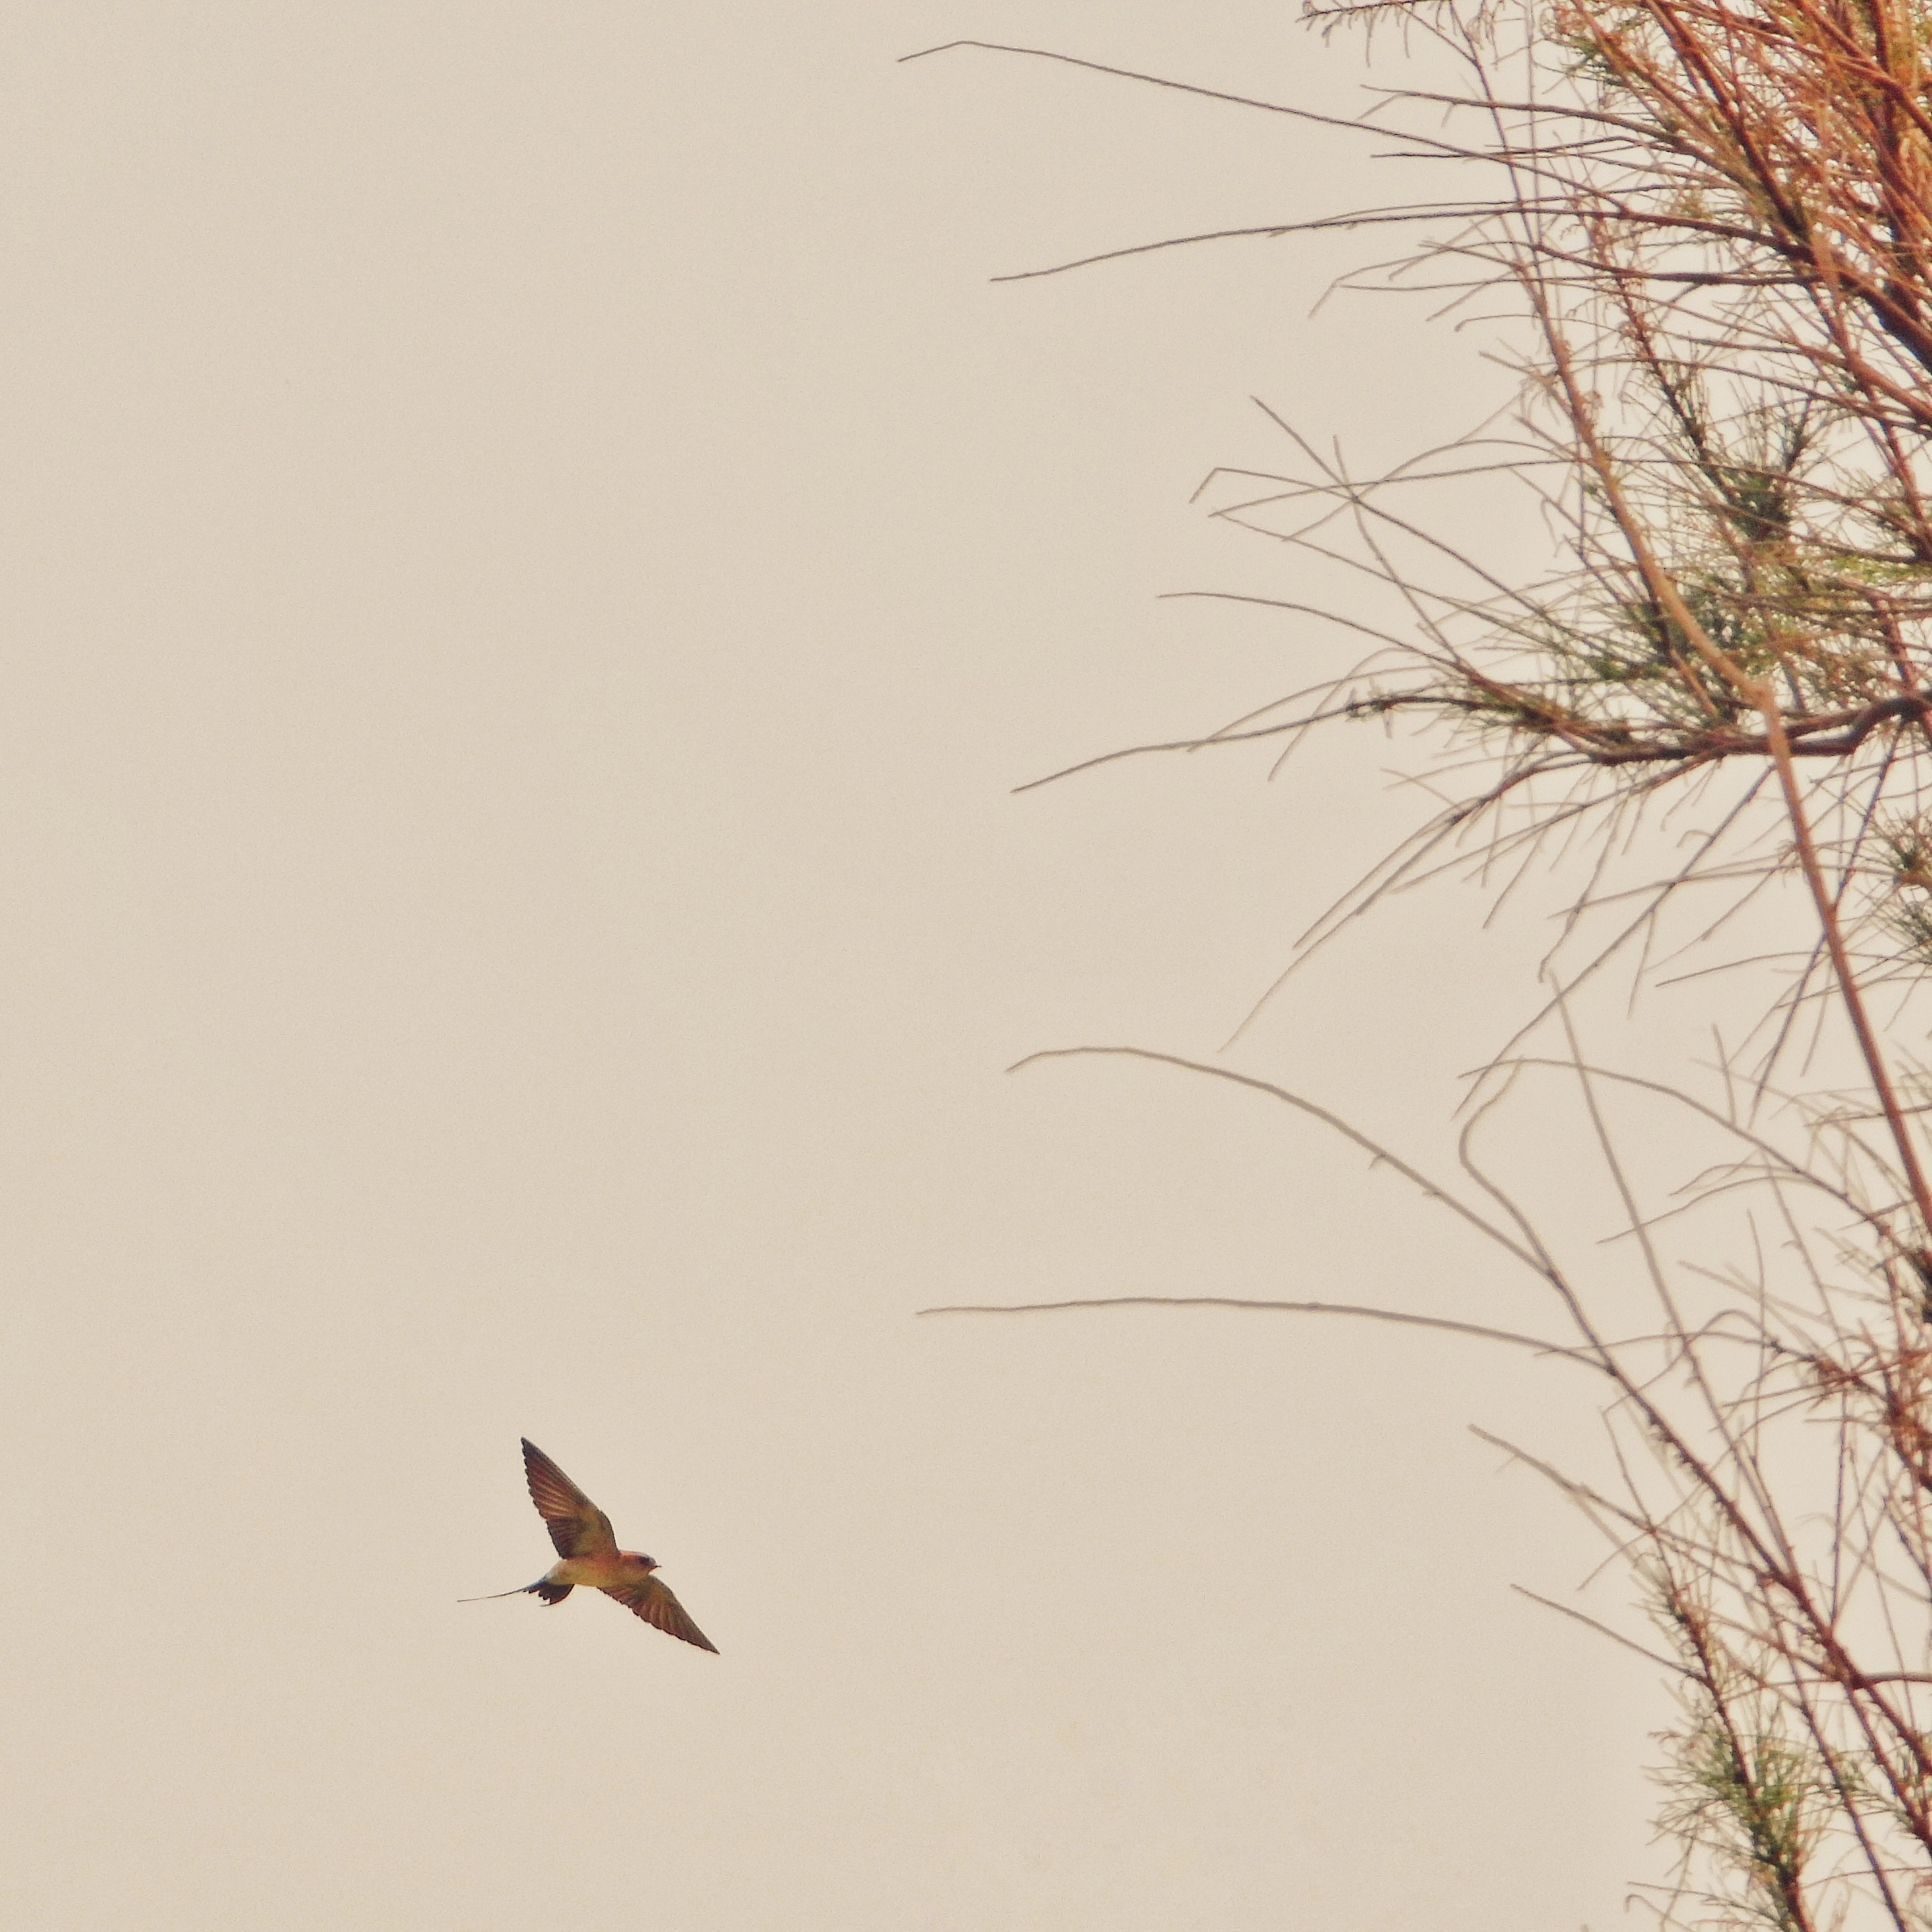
(653, 1602)
(576, 1525)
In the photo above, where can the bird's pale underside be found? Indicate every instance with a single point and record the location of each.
(587, 1553)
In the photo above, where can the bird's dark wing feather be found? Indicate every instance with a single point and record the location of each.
(653, 1602)
(576, 1525)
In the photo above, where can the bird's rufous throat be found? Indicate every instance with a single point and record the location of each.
(587, 1553)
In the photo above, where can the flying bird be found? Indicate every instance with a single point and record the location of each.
(587, 1553)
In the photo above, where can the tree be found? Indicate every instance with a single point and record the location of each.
(1712, 219)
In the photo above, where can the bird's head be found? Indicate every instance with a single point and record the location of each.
(636, 1560)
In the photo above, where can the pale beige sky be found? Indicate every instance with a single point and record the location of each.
(534, 555)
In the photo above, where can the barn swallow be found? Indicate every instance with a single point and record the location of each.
(587, 1553)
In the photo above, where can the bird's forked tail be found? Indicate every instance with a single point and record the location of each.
(551, 1593)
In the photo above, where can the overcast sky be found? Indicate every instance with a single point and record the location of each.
(535, 556)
